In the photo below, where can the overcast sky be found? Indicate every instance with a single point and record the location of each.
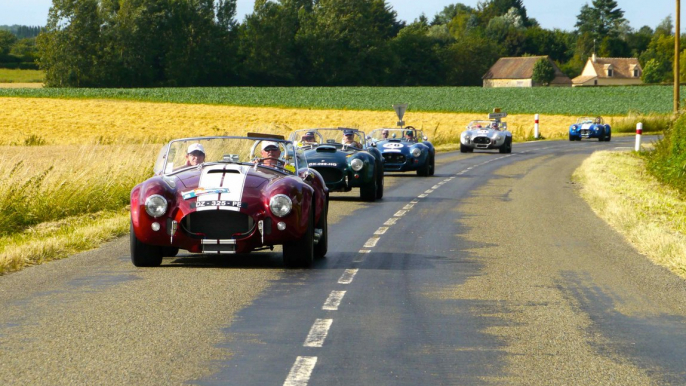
(549, 13)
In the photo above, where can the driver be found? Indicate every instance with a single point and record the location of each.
(409, 135)
(308, 138)
(494, 126)
(270, 153)
(384, 134)
(349, 138)
(195, 155)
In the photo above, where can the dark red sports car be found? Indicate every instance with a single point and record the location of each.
(226, 195)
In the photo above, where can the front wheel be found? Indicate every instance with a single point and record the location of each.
(507, 146)
(300, 253)
(322, 245)
(144, 255)
(368, 192)
(465, 149)
(432, 169)
(379, 186)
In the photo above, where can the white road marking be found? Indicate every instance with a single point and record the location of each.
(360, 258)
(391, 221)
(422, 195)
(415, 201)
(333, 301)
(318, 333)
(364, 251)
(371, 243)
(381, 230)
(408, 206)
(429, 191)
(400, 213)
(301, 371)
(435, 186)
(347, 276)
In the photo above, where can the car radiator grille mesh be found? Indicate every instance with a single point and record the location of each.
(482, 140)
(330, 175)
(218, 224)
(394, 158)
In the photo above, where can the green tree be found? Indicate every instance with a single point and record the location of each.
(601, 20)
(544, 72)
(653, 72)
(468, 59)
(416, 56)
(7, 40)
(25, 49)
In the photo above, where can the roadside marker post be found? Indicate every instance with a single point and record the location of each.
(536, 126)
(639, 133)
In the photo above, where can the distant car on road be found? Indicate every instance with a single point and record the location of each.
(226, 195)
(486, 135)
(405, 150)
(590, 127)
(344, 159)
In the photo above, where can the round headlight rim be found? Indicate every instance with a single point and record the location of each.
(276, 213)
(416, 152)
(149, 203)
(356, 164)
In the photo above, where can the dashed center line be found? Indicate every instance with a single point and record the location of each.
(347, 276)
(301, 371)
(381, 230)
(400, 213)
(371, 243)
(408, 206)
(391, 221)
(333, 301)
(318, 332)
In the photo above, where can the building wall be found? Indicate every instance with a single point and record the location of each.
(618, 82)
(490, 83)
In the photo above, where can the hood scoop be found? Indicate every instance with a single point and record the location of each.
(326, 149)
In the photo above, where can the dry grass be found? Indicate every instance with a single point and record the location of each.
(61, 121)
(650, 215)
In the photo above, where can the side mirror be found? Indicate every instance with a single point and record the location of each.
(425, 138)
(393, 135)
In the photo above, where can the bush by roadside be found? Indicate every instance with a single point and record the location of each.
(668, 162)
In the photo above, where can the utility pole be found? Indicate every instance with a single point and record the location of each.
(677, 37)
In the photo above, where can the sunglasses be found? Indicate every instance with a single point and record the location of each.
(271, 148)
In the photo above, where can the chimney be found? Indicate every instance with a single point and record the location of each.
(593, 57)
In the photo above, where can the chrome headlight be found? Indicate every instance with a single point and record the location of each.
(156, 205)
(416, 152)
(280, 205)
(356, 164)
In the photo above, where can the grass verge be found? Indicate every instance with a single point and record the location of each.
(21, 76)
(651, 215)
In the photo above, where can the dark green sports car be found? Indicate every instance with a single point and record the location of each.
(343, 158)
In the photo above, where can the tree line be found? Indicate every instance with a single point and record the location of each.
(153, 43)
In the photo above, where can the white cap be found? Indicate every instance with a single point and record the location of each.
(196, 147)
(265, 144)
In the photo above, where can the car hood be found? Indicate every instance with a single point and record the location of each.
(482, 132)
(328, 156)
(231, 181)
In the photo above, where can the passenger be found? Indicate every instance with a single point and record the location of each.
(270, 154)
(349, 139)
(195, 155)
(384, 134)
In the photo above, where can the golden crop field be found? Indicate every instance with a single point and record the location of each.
(62, 121)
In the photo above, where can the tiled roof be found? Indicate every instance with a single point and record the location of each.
(583, 79)
(621, 67)
(522, 68)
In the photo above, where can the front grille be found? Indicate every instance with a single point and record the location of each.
(217, 224)
(394, 158)
(330, 175)
(482, 140)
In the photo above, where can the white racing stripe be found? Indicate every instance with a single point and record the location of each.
(223, 176)
(347, 276)
(333, 301)
(318, 332)
(301, 371)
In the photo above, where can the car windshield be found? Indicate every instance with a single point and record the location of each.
(477, 125)
(401, 134)
(585, 120)
(181, 154)
(338, 137)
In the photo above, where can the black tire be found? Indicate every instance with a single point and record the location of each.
(609, 137)
(379, 186)
(170, 251)
(144, 255)
(507, 146)
(300, 253)
(571, 138)
(465, 149)
(424, 171)
(368, 192)
(433, 167)
(322, 245)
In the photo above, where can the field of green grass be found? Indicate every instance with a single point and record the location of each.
(615, 101)
(21, 76)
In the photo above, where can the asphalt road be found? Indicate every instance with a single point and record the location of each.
(493, 271)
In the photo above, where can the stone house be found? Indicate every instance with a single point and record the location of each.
(609, 72)
(517, 72)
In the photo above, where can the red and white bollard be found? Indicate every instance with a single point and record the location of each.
(536, 126)
(639, 133)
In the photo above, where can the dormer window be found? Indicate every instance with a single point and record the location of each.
(609, 70)
(635, 71)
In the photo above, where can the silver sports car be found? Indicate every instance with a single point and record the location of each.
(486, 134)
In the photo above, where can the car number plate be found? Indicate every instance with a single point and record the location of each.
(201, 204)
